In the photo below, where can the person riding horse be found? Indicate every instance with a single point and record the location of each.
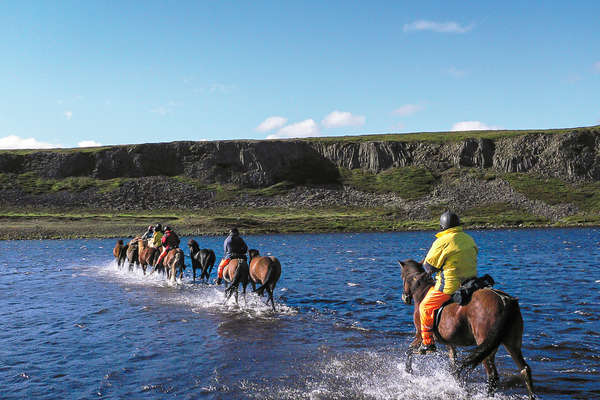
(170, 240)
(453, 256)
(148, 233)
(233, 247)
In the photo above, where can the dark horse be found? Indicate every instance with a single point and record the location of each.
(201, 258)
(120, 252)
(266, 271)
(491, 318)
(236, 272)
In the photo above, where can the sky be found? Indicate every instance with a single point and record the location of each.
(88, 73)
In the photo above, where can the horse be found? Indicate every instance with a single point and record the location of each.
(236, 272)
(173, 260)
(491, 318)
(120, 252)
(266, 271)
(201, 258)
(132, 253)
(145, 254)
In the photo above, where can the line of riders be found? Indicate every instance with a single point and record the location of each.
(159, 248)
(450, 308)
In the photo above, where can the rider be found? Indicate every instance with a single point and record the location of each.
(148, 233)
(233, 247)
(157, 238)
(170, 241)
(453, 256)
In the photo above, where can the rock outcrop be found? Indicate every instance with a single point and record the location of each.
(573, 155)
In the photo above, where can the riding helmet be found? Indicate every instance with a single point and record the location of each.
(158, 227)
(449, 220)
(167, 228)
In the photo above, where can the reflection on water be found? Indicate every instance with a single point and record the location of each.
(75, 326)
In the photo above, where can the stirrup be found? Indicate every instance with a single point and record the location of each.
(426, 348)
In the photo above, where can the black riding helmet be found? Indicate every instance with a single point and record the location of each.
(158, 227)
(449, 220)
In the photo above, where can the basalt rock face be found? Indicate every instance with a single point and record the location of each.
(571, 156)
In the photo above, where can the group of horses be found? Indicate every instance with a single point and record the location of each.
(491, 317)
(261, 270)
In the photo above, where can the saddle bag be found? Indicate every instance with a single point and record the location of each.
(463, 295)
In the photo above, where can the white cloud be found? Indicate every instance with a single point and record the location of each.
(441, 27)
(161, 110)
(89, 143)
(68, 114)
(306, 128)
(342, 118)
(597, 66)
(16, 142)
(408, 109)
(473, 126)
(271, 123)
(456, 73)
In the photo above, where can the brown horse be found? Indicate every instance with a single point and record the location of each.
(236, 272)
(201, 258)
(266, 271)
(174, 260)
(120, 252)
(145, 254)
(491, 318)
(132, 252)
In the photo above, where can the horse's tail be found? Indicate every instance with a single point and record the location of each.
(491, 343)
(270, 276)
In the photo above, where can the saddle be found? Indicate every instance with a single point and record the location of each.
(463, 296)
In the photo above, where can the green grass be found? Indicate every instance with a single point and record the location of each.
(586, 196)
(442, 137)
(30, 182)
(408, 182)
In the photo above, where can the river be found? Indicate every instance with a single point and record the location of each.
(76, 326)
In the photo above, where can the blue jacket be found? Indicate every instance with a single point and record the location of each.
(234, 247)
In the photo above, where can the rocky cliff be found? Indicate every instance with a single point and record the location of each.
(570, 155)
(190, 174)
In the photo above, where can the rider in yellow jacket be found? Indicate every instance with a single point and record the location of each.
(453, 256)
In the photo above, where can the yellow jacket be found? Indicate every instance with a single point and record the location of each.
(455, 254)
(156, 239)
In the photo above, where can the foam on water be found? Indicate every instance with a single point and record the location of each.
(369, 375)
(197, 296)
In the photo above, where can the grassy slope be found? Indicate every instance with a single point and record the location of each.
(410, 183)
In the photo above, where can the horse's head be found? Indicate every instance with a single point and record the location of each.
(413, 275)
(193, 245)
(120, 242)
(253, 253)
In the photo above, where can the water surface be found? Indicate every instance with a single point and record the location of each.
(75, 326)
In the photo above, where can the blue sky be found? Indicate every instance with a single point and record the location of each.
(104, 72)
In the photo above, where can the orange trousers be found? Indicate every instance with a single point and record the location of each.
(222, 265)
(432, 301)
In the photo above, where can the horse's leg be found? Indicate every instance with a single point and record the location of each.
(194, 272)
(270, 291)
(492, 373)
(253, 284)
(409, 353)
(525, 370)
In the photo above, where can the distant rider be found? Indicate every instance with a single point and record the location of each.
(148, 233)
(233, 247)
(453, 255)
(170, 240)
(157, 238)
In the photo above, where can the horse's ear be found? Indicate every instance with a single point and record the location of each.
(401, 263)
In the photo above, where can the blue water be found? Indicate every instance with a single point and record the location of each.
(75, 326)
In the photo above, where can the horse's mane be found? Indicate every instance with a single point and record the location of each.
(193, 243)
(414, 270)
